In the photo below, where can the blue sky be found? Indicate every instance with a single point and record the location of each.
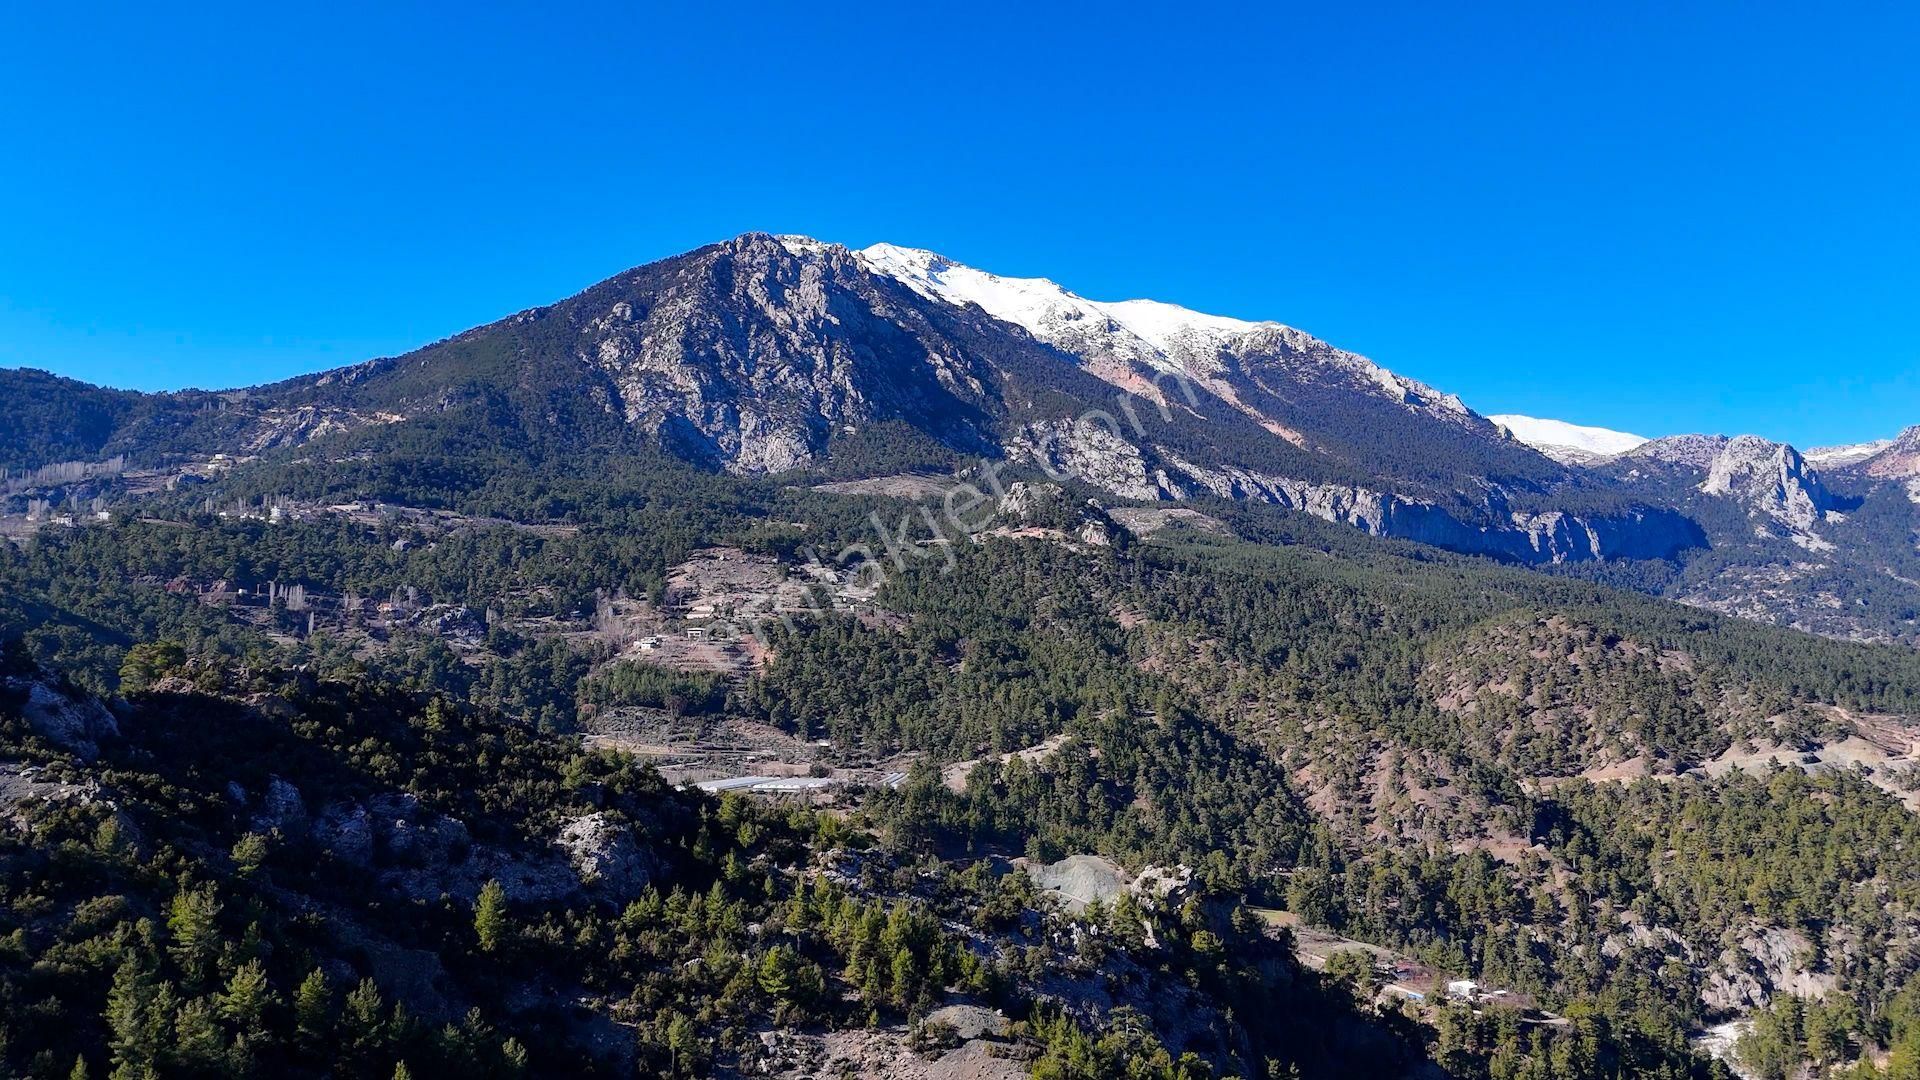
(1660, 218)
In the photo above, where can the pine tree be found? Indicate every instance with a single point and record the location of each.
(313, 1010)
(775, 974)
(513, 1056)
(139, 1018)
(683, 1042)
(249, 852)
(363, 1022)
(199, 1043)
(193, 922)
(246, 1000)
(490, 917)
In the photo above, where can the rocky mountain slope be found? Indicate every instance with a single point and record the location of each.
(1897, 460)
(765, 355)
(1765, 477)
(770, 355)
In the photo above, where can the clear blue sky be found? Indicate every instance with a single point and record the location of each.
(1660, 218)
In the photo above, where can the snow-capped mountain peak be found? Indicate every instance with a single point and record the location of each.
(1571, 443)
(1112, 335)
(1050, 312)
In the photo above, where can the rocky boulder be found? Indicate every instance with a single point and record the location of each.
(70, 721)
(346, 830)
(605, 853)
(281, 809)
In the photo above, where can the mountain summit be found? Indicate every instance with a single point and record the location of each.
(791, 356)
(1117, 338)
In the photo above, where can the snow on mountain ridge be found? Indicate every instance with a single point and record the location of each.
(1046, 309)
(1836, 456)
(1163, 336)
(1583, 442)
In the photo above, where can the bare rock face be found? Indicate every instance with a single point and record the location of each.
(1771, 478)
(605, 854)
(459, 623)
(1767, 477)
(753, 353)
(74, 723)
(277, 428)
(1691, 451)
(1550, 537)
(346, 830)
(1761, 965)
(407, 834)
(422, 854)
(1640, 533)
(282, 809)
(1092, 452)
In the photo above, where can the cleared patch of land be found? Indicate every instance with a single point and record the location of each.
(900, 486)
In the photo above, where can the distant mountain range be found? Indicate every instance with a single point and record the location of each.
(768, 355)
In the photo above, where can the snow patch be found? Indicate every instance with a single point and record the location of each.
(802, 245)
(1164, 336)
(1836, 456)
(1037, 303)
(1146, 329)
(1559, 435)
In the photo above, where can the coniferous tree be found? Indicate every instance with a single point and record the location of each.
(490, 923)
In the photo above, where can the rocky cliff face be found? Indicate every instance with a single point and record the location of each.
(1772, 478)
(1766, 477)
(1098, 456)
(1687, 451)
(753, 353)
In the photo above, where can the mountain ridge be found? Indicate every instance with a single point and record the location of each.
(772, 356)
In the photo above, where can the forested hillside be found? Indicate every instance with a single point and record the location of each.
(773, 661)
(375, 820)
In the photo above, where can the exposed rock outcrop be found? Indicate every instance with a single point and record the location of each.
(1690, 451)
(1771, 478)
(1097, 455)
(605, 854)
(280, 808)
(73, 722)
(1548, 537)
(753, 353)
(1760, 965)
